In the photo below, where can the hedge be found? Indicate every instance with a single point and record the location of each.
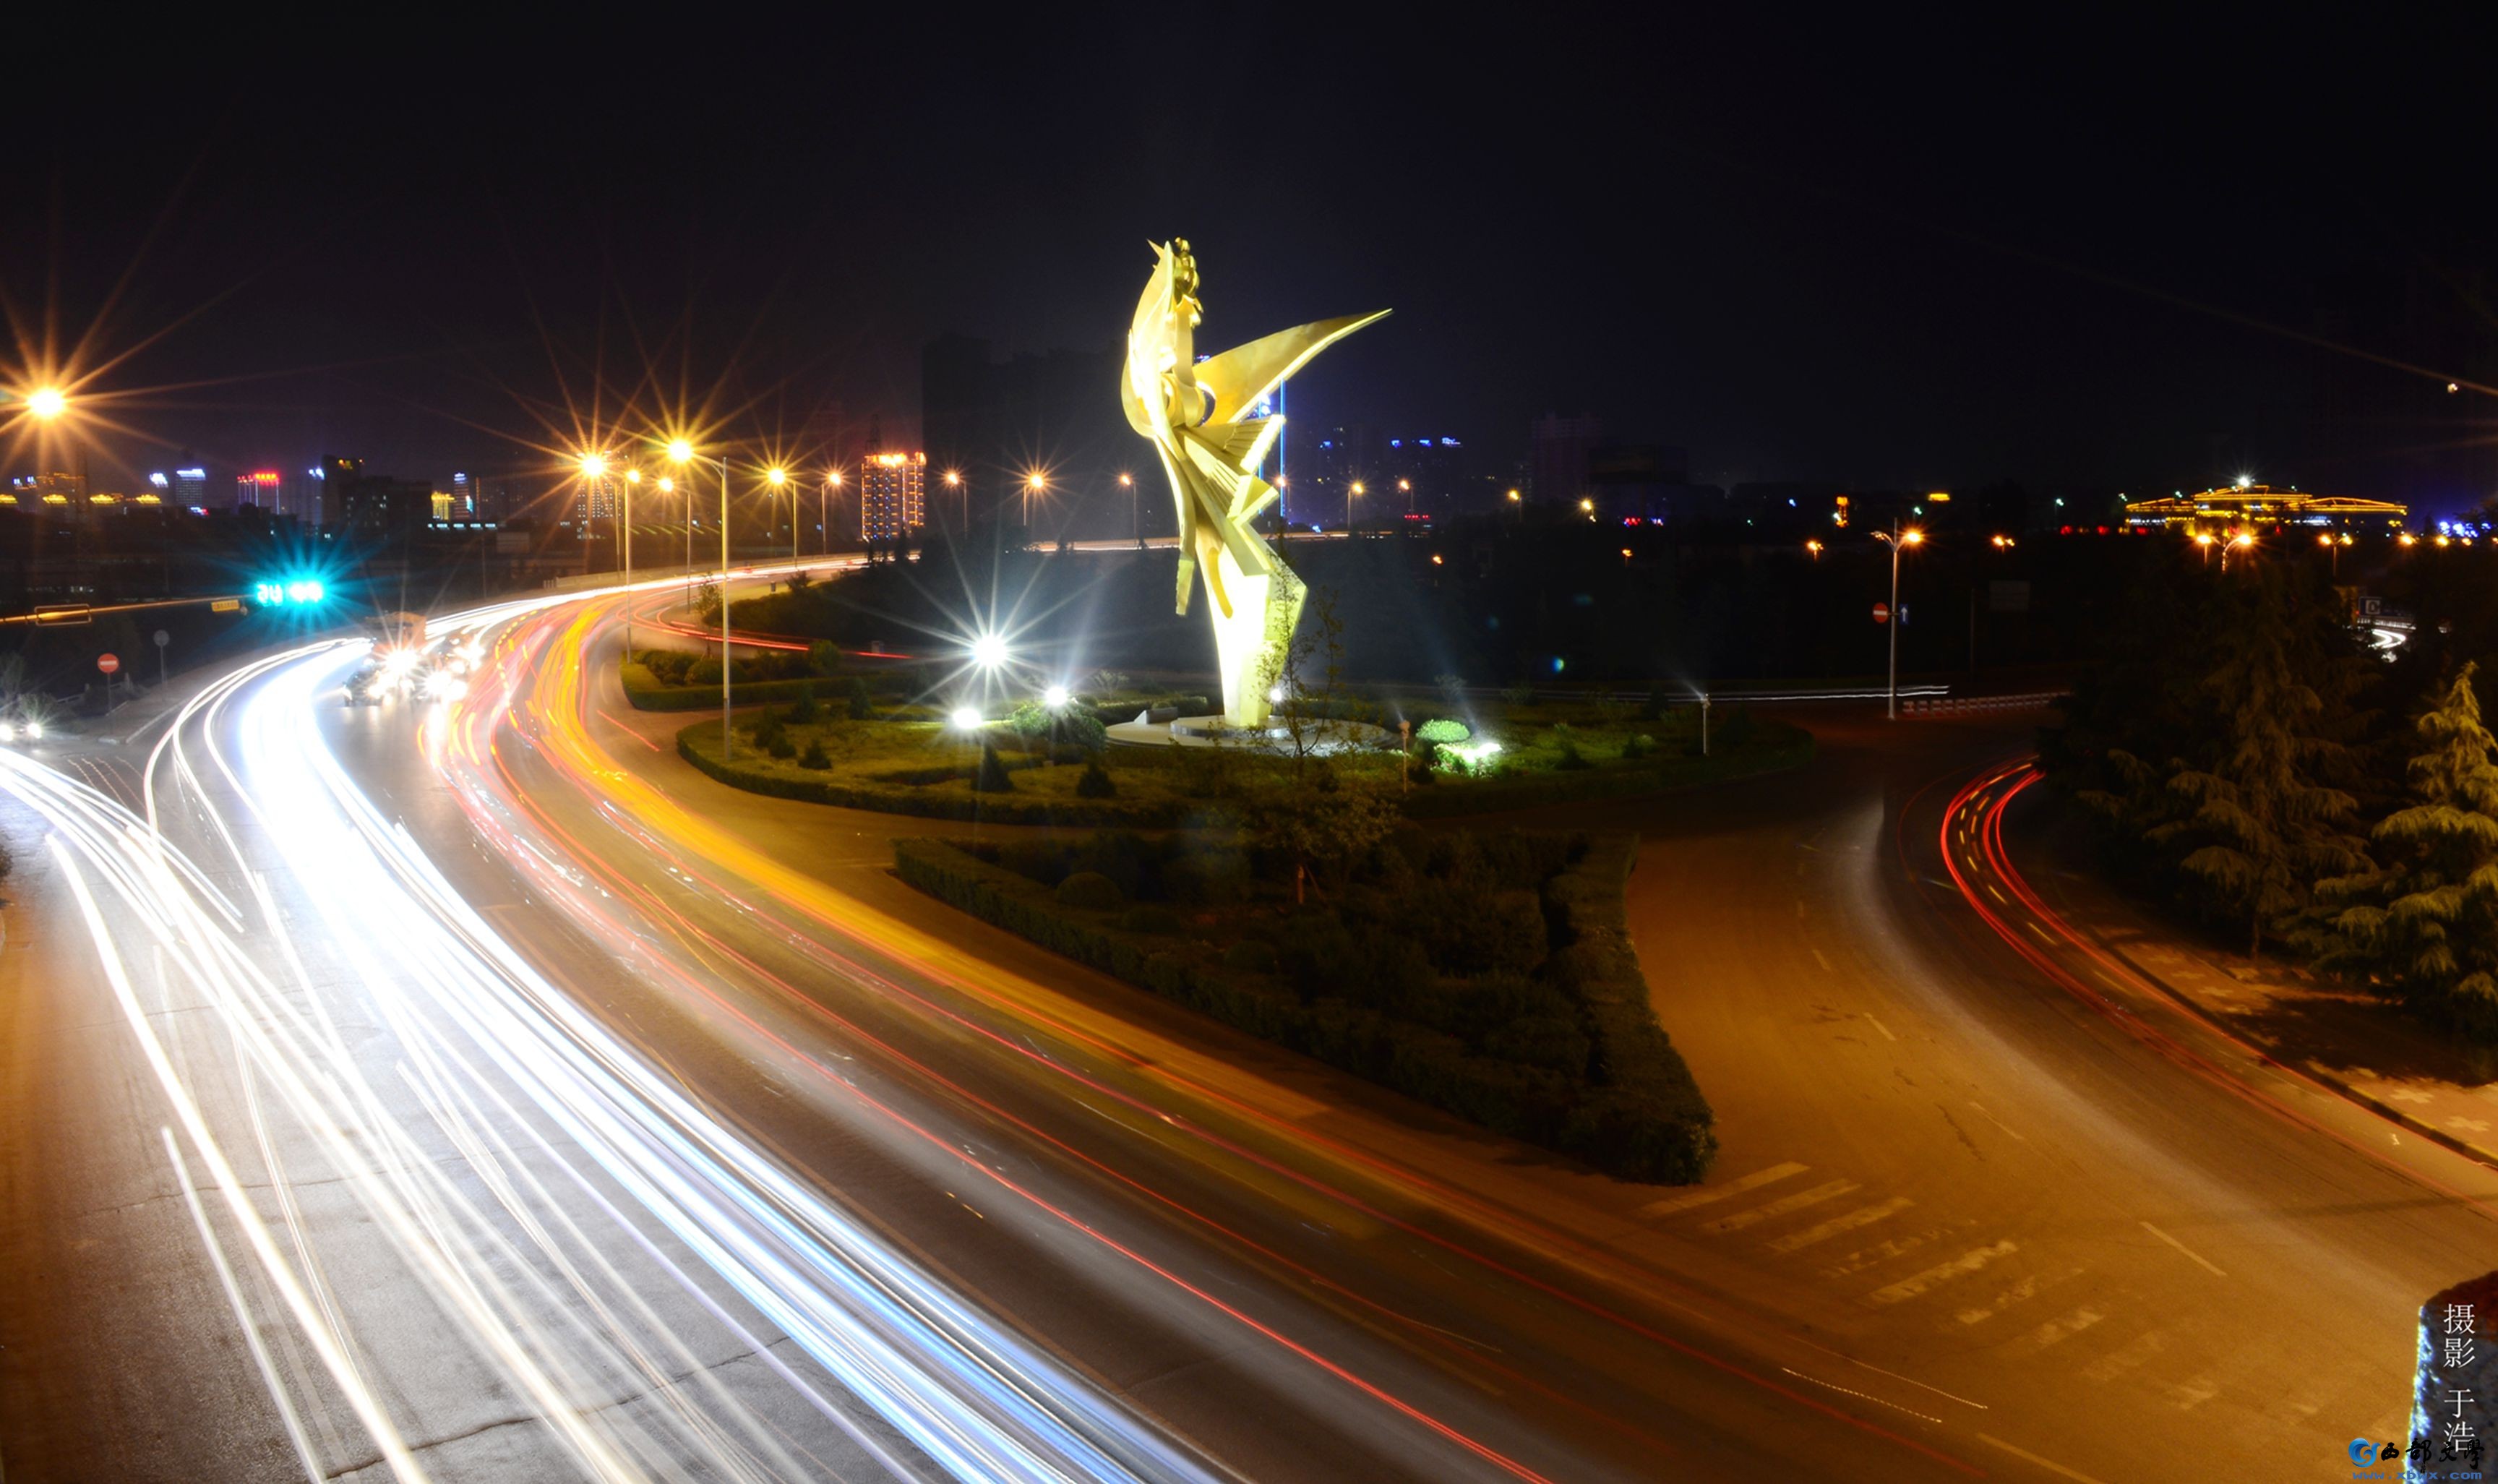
(908, 792)
(644, 693)
(1775, 747)
(1643, 1120)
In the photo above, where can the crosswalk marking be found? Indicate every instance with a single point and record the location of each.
(1966, 1263)
(1863, 1215)
(1779, 1207)
(2054, 1331)
(1691, 1198)
(2116, 1363)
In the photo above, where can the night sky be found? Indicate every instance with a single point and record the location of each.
(1886, 250)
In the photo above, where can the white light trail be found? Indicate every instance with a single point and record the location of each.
(493, 1074)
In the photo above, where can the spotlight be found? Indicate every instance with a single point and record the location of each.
(966, 719)
(988, 651)
(1054, 697)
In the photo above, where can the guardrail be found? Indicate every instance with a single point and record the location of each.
(1958, 705)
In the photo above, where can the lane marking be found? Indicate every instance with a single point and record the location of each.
(1863, 1215)
(2181, 1248)
(1992, 1119)
(1884, 1029)
(1962, 1266)
(1779, 1207)
(2048, 1464)
(1824, 962)
(1860, 1395)
(1689, 1198)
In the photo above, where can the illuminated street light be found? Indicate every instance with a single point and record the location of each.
(1054, 697)
(2405, 539)
(965, 718)
(2003, 542)
(1351, 492)
(2238, 540)
(778, 478)
(47, 403)
(592, 465)
(682, 452)
(1899, 541)
(823, 507)
(1812, 549)
(1588, 508)
(988, 652)
(1405, 487)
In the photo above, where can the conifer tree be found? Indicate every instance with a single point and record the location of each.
(2423, 924)
(2264, 824)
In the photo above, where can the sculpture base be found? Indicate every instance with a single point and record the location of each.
(1271, 739)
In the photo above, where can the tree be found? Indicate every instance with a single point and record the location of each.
(2422, 925)
(2264, 824)
(1320, 820)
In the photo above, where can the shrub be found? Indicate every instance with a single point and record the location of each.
(1149, 919)
(768, 732)
(1566, 742)
(804, 709)
(1029, 719)
(782, 747)
(1640, 745)
(1090, 892)
(862, 706)
(1550, 1040)
(813, 756)
(991, 775)
(704, 672)
(1442, 729)
(1250, 956)
(1096, 782)
(1466, 929)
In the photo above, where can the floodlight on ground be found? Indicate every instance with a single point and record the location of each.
(965, 718)
(1054, 697)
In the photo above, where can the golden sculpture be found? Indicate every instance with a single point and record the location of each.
(1195, 414)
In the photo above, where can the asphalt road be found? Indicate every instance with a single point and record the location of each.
(1964, 1223)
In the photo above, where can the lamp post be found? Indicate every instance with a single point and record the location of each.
(1405, 487)
(824, 509)
(778, 478)
(1135, 508)
(1516, 506)
(2238, 540)
(1704, 723)
(962, 502)
(632, 478)
(1350, 491)
(1033, 484)
(1900, 539)
(681, 451)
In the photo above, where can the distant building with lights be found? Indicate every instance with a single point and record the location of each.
(2244, 505)
(597, 497)
(893, 495)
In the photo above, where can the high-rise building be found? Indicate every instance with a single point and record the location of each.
(893, 495)
(1563, 448)
(258, 491)
(464, 499)
(191, 488)
(597, 497)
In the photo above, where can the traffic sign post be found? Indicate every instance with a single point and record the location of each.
(1881, 613)
(162, 640)
(107, 663)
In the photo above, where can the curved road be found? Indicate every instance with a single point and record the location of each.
(869, 1163)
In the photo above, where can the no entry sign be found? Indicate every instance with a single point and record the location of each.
(107, 663)
(1881, 613)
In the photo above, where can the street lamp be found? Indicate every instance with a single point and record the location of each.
(962, 500)
(680, 451)
(823, 509)
(1349, 492)
(1812, 549)
(778, 478)
(1136, 508)
(1588, 508)
(2238, 540)
(47, 403)
(1405, 487)
(1033, 484)
(1520, 510)
(632, 478)
(1899, 539)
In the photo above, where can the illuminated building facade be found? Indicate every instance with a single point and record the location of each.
(259, 491)
(2244, 506)
(893, 495)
